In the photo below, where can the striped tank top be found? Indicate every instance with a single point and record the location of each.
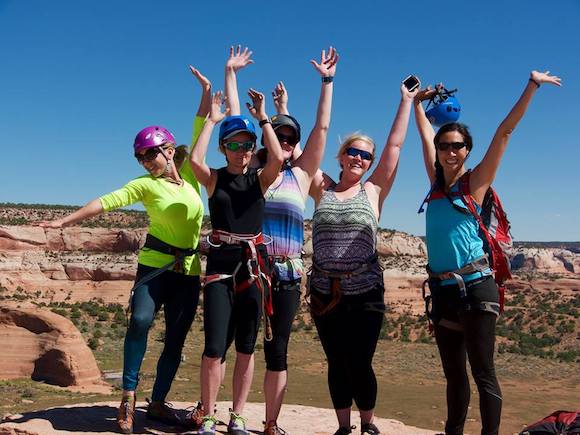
(284, 223)
(344, 237)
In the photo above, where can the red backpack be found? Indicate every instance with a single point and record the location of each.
(494, 230)
(557, 423)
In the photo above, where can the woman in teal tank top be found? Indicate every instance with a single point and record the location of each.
(170, 195)
(464, 316)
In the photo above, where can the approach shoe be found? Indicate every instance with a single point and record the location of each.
(344, 430)
(194, 417)
(163, 412)
(237, 425)
(369, 429)
(208, 425)
(126, 414)
(271, 428)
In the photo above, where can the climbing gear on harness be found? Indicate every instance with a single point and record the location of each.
(256, 268)
(494, 229)
(314, 302)
(176, 265)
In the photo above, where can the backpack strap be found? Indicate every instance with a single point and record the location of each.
(500, 269)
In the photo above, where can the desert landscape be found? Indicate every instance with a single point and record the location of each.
(62, 323)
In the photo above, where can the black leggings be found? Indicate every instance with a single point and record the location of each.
(476, 341)
(349, 335)
(227, 314)
(286, 300)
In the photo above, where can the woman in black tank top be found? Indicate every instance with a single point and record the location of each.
(236, 201)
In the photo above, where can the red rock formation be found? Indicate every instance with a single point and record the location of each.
(42, 345)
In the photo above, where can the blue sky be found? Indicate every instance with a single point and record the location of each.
(80, 78)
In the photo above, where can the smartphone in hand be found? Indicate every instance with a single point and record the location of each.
(411, 83)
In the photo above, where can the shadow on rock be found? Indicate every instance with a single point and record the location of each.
(87, 418)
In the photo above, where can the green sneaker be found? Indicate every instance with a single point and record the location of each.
(237, 425)
(208, 425)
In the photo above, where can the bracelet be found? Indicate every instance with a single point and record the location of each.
(328, 79)
(534, 82)
(263, 122)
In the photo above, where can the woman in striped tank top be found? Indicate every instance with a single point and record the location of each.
(284, 223)
(346, 284)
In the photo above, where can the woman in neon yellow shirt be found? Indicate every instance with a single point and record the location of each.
(168, 265)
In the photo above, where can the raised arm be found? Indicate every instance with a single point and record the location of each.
(273, 165)
(93, 208)
(484, 174)
(309, 161)
(237, 60)
(426, 131)
(383, 176)
(280, 98)
(205, 85)
(204, 174)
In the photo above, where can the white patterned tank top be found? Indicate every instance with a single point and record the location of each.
(344, 237)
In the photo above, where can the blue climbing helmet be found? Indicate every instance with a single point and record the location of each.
(233, 125)
(443, 107)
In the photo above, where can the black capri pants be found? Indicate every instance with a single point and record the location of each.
(285, 300)
(228, 314)
(349, 334)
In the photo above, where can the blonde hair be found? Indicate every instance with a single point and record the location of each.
(350, 139)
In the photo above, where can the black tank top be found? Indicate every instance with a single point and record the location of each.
(237, 203)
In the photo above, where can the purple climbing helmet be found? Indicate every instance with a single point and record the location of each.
(151, 137)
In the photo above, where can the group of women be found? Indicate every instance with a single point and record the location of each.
(254, 266)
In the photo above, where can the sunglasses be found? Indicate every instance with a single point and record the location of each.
(443, 146)
(290, 140)
(235, 146)
(353, 152)
(149, 155)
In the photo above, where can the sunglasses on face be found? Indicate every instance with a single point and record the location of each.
(290, 140)
(443, 146)
(353, 152)
(235, 146)
(149, 155)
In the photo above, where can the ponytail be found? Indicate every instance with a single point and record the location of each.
(180, 156)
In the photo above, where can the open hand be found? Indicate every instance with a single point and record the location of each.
(328, 61)
(425, 94)
(203, 80)
(280, 97)
(216, 115)
(258, 106)
(50, 224)
(239, 59)
(545, 77)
